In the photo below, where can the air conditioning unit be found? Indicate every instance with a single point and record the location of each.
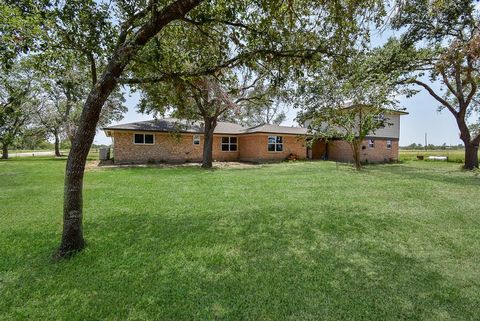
(104, 153)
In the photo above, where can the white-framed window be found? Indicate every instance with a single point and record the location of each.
(229, 144)
(389, 144)
(196, 139)
(143, 139)
(371, 143)
(275, 143)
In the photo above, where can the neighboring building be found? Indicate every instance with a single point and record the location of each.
(172, 140)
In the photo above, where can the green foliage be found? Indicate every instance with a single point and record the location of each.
(17, 101)
(216, 35)
(350, 123)
(21, 25)
(444, 146)
(435, 22)
(266, 43)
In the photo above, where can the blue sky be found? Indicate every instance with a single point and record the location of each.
(423, 115)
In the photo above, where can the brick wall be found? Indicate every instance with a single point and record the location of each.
(254, 148)
(251, 147)
(340, 151)
(167, 148)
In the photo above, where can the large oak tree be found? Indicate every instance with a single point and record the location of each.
(251, 27)
(441, 41)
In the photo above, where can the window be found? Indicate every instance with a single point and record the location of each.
(371, 143)
(196, 139)
(143, 139)
(275, 143)
(389, 144)
(229, 144)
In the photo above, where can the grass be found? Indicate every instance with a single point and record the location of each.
(290, 241)
(454, 155)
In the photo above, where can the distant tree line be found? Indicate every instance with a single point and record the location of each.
(444, 146)
(40, 142)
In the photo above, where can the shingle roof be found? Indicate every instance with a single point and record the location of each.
(177, 125)
(275, 129)
(183, 126)
(387, 110)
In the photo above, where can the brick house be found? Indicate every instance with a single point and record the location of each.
(173, 140)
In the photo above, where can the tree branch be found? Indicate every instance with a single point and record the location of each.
(433, 94)
(303, 54)
(129, 23)
(225, 22)
(473, 83)
(448, 84)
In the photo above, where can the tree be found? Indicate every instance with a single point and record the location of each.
(65, 85)
(194, 98)
(134, 24)
(267, 104)
(16, 102)
(351, 124)
(206, 98)
(347, 102)
(442, 40)
(192, 58)
(138, 26)
(197, 89)
(272, 113)
(33, 137)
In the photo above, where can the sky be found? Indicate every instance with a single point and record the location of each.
(423, 118)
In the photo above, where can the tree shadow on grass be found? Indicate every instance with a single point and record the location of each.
(268, 264)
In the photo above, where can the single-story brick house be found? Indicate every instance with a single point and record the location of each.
(173, 140)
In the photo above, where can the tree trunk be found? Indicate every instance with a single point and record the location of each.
(471, 156)
(210, 124)
(72, 236)
(356, 154)
(4, 151)
(57, 143)
(471, 146)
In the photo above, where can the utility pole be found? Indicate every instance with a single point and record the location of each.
(426, 141)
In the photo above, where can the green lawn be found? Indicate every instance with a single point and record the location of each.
(290, 241)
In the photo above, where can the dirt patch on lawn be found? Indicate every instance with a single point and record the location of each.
(96, 164)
